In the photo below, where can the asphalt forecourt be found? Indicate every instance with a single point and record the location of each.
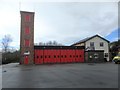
(76, 75)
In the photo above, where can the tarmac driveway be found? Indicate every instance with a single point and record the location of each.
(77, 75)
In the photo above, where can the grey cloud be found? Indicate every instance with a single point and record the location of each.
(67, 22)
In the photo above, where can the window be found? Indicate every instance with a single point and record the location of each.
(26, 51)
(101, 44)
(91, 44)
(27, 42)
(106, 54)
(27, 18)
(27, 30)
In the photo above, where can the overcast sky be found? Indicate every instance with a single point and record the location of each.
(64, 22)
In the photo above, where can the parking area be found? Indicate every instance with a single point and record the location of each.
(76, 75)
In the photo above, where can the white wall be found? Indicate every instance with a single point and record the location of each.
(0, 71)
(0, 58)
(97, 41)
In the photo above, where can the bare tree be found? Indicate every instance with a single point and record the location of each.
(6, 40)
(49, 43)
(55, 43)
(40, 43)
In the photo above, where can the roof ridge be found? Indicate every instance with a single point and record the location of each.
(87, 38)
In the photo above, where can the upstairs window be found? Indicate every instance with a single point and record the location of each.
(27, 18)
(101, 44)
(27, 30)
(27, 43)
(91, 44)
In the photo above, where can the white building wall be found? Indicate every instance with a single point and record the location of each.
(0, 58)
(97, 41)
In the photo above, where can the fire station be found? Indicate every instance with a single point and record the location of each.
(35, 54)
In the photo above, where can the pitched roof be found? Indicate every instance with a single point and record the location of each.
(88, 38)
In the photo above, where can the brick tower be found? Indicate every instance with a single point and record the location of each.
(27, 37)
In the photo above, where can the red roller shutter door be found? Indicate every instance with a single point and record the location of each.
(67, 55)
(73, 55)
(82, 55)
(70, 55)
(52, 56)
(78, 52)
(45, 56)
(37, 56)
(64, 53)
(40, 56)
(57, 56)
(48, 56)
(62, 56)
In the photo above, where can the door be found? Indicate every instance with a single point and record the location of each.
(26, 60)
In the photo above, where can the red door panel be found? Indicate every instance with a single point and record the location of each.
(73, 55)
(82, 55)
(57, 56)
(36, 56)
(52, 56)
(45, 56)
(77, 55)
(67, 55)
(26, 60)
(70, 55)
(40, 56)
(64, 55)
(62, 59)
